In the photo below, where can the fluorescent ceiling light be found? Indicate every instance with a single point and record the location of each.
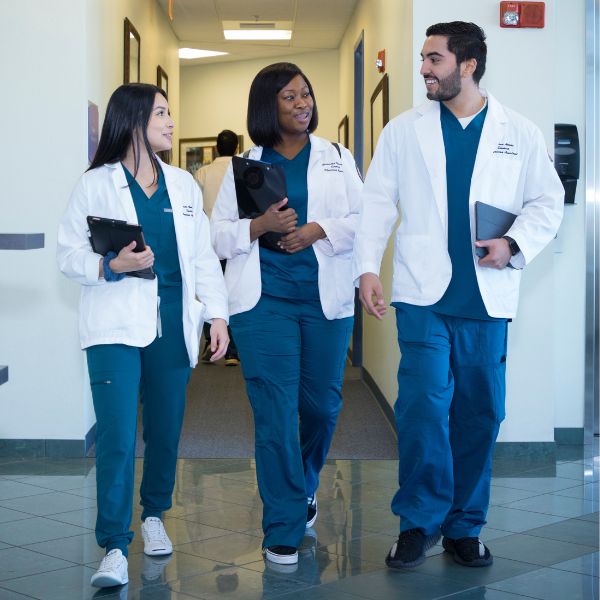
(188, 53)
(258, 34)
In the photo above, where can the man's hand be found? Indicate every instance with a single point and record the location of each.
(498, 255)
(302, 238)
(219, 339)
(371, 295)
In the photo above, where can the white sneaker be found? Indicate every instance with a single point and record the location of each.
(112, 570)
(156, 540)
(281, 555)
(154, 566)
(311, 511)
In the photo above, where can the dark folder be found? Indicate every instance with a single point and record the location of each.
(111, 235)
(490, 223)
(258, 185)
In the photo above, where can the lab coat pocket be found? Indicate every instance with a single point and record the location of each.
(502, 187)
(198, 311)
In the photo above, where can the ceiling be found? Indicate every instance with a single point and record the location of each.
(316, 25)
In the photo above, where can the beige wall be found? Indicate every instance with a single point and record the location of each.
(387, 24)
(104, 35)
(62, 54)
(215, 97)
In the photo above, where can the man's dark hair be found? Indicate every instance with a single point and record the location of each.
(263, 120)
(227, 143)
(465, 41)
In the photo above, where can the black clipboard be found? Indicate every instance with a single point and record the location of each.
(111, 235)
(491, 223)
(258, 185)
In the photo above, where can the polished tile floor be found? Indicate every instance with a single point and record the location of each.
(542, 529)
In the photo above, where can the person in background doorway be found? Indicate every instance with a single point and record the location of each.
(141, 336)
(292, 309)
(432, 164)
(209, 178)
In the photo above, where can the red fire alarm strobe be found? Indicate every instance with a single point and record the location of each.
(380, 62)
(522, 14)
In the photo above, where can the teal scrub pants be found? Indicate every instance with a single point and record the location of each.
(293, 361)
(119, 374)
(451, 391)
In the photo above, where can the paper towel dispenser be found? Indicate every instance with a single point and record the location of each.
(566, 158)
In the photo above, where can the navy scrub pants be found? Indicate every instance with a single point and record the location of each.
(293, 361)
(159, 374)
(451, 391)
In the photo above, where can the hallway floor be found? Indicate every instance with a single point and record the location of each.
(542, 529)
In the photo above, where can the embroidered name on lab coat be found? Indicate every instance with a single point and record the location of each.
(188, 210)
(334, 166)
(506, 148)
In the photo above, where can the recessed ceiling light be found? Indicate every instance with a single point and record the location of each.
(187, 53)
(258, 34)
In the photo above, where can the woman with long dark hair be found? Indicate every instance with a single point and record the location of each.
(292, 309)
(141, 336)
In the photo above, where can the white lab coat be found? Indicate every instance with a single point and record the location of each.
(125, 312)
(334, 187)
(407, 178)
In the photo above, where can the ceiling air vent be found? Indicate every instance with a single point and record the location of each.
(257, 25)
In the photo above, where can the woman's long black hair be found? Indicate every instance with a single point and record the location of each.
(129, 109)
(263, 119)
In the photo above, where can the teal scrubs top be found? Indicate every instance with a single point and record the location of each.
(155, 215)
(462, 297)
(294, 276)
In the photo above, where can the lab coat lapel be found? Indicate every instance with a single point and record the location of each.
(492, 134)
(431, 142)
(176, 198)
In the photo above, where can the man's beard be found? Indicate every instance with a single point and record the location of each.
(448, 88)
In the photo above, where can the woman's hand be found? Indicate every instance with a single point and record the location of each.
(302, 238)
(274, 219)
(219, 339)
(127, 260)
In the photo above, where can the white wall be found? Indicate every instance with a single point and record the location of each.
(545, 369)
(54, 70)
(215, 97)
(523, 73)
(387, 24)
(569, 265)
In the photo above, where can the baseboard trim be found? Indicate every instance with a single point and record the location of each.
(90, 439)
(569, 436)
(387, 410)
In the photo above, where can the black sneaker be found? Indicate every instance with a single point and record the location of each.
(311, 512)
(231, 359)
(206, 354)
(409, 550)
(281, 555)
(469, 551)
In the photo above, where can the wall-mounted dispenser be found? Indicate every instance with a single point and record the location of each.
(566, 158)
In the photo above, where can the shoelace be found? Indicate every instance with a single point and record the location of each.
(409, 537)
(155, 530)
(111, 561)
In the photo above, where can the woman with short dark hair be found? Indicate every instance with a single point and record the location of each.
(292, 307)
(141, 335)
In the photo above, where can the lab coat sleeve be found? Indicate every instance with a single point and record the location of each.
(543, 204)
(230, 234)
(340, 232)
(210, 285)
(74, 252)
(379, 205)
